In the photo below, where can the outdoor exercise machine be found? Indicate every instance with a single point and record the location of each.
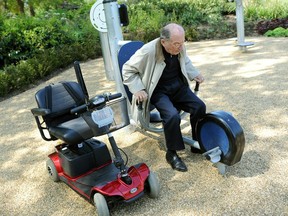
(220, 136)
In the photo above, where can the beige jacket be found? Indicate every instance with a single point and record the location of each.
(145, 68)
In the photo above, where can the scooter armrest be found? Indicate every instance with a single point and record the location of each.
(40, 111)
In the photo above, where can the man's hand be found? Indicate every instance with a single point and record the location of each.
(141, 96)
(199, 78)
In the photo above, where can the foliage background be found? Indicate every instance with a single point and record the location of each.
(39, 37)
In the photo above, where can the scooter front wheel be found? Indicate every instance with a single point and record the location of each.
(153, 186)
(101, 205)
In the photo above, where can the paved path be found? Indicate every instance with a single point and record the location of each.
(252, 85)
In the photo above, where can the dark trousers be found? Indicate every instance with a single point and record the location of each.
(169, 99)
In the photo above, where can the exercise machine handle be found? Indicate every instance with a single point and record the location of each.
(139, 105)
(196, 89)
(113, 96)
(197, 85)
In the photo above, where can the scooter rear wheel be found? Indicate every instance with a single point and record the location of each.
(53, 174)
(101, 205)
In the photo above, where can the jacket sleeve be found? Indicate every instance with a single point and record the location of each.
(192, 72)
(133, 71)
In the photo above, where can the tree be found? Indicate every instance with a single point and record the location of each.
(4, 4)
(31, 7)
(21, 6)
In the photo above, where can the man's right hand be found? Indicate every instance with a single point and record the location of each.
(141, 96)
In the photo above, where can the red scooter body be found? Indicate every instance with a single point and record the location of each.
(110, 183)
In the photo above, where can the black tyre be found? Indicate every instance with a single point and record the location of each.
(53, 174)
(221, 129)
(153, 186)
(101, 205)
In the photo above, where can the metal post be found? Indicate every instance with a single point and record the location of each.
(240, 26)
(114, 37)
(108, 64)
(240, 22)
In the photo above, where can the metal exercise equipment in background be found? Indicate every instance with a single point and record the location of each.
(221, 137)
(240, 27)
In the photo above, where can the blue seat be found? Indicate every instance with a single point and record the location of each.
(124, 54)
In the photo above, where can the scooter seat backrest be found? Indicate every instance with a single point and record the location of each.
(57, 100)
(60, 98)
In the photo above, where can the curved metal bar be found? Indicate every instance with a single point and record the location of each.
(149, 127)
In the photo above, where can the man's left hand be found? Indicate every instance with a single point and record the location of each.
(199, 78)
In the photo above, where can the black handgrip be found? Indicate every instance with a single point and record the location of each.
(139, 105)
(79, 109)
(196, 89)
(113, 96)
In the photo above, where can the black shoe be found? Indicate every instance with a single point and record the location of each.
(175, 161)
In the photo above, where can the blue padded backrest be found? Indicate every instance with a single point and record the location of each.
(125, 52)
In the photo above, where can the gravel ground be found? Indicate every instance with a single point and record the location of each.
(253, 85)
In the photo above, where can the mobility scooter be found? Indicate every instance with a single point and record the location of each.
(84, 163)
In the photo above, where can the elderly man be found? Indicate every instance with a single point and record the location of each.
(159, 73)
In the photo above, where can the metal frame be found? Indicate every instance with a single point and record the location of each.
(105, 17)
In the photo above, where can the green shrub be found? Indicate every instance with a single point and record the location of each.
(278, 32)
(4, 84)
(148, 16)
(26, 72)
(149, 28)
(268, 9)
(23, 37)
(33, 47)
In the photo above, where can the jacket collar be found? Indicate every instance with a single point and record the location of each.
(159, 52)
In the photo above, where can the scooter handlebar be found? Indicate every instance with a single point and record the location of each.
(94, 102)
(79, 109)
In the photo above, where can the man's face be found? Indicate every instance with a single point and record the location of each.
(174, 45)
